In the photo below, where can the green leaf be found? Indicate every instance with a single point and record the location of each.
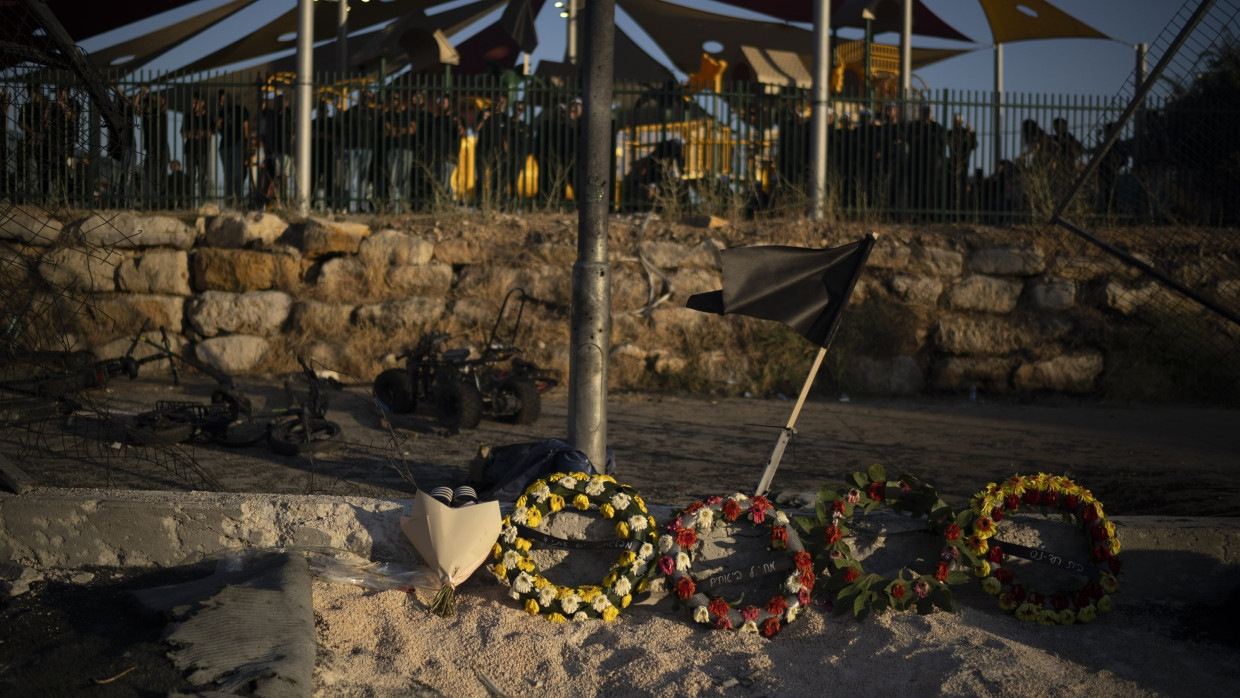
(857, 480)
(806, 524)
(859, 605)
(941, 598)
(846, 593)
(877, 473)
(823, 510)
(957, 577)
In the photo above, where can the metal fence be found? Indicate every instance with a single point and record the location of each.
(417, 142)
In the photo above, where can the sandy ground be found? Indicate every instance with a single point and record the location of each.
(1136, 460)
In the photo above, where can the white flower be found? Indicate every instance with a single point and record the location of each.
(516, 595)
(623, 586)
(509, 535)
(701, 614)
(739, 498)
(580, 616)
(665, 543)
(682, 562)
(781, 518)
(645, 552)
(705, 519)
(793, 611)
(637, 523)
(545, 596)
(793, 585)
(601, 603)
(523, 583)
(750, 627)
(621, 501)
(595, 487)
(570, 603)
(640, 570)
(512, 558)
(519, 514)
(568, 482)
(541, 493)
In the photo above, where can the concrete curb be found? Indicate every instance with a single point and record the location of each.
(1168, 560)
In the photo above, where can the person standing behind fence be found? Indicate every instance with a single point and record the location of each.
(196, 141)
(6, 179)
(445, 140)
(961, 142)
(32, 151)
(491, 152)
(274, 139)
(233, 125)
(398, 131)
(153, 118)
(926, 143)
(359, 126)
(559, 146)
(892, 160)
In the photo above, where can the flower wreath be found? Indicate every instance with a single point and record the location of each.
(696, 521)
(514, 567)
(857, 591)
(1052, 495)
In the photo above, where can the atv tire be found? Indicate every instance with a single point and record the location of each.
(294, 439)
(517, 401)
(458, 404)
(394, 388)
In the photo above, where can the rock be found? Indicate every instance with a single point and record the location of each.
(1127, 300)
(77, 269)
(421, 279)
(234, 354)
(917, 290)
(959, 374)
(983, 336)
(15, 578)
(30, 227)
(141, 351)
(889, 254)
(938, 261)
(326, 237)
(406, 316)
(459, 251)
(342, 277)
(233, 229)
(319, 319)
(214, 269)
(394, 248)
(155, 271)
(986, 294)
(1053, 294)
(131, 230)
(898, 375)
(663, 255)
(128, 314)
(552, 253)
(1008, 261)
(704, 255)
(254, 312)
(1076, 373)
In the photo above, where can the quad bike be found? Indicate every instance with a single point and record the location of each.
(464, 389)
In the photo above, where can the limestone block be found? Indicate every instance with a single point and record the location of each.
(687, 282)
(31, 227)
(474, 312)
(897, 375)
(128, 314)
(14, 266)
(677, 318)
(1008, 261)
(213, 269)
(233, 229)
(424, 279)
(917, 290)
(406, 315)
(324, 237)
(958, 334)
(704, 255)
(546, 284)
(1127, 300)
(130, 230)
(342, 277)
(556, 254)
(1068, 373)
(959, 374)
(395, 248)
(889, 254)
(253, 312)
(1053, 294)
(629, 288)
(155, 271)
(1077, 268)
(234, 354)
(316, 318)
(78, 269)
(986, 294)
(460, 251)
(938, 261)
(664, 255)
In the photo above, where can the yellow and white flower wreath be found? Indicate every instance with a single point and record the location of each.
(582, 492)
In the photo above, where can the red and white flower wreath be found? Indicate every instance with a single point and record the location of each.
(696, 521)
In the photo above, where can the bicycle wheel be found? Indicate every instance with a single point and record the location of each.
(161, 428)
(237, 433)
(295, 439)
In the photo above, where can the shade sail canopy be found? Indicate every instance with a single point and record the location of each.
(498, 45)
(888, 15)
(632, 65)
(417, 40)
(86, 19)
(775, 67)
(144, 48)
(1033, 19)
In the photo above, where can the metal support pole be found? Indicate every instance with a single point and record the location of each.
(342, 34)
(997, 117)
(572, 32)
(906, 51)
(818, 120)
(305, 79)
(1138, 120)
(591, 314)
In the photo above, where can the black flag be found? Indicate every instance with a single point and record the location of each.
(801, 287)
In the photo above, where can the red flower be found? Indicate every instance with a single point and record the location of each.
(731, 510)
(1101, 554)
(758, 514)
(713, 500)
(803, 596)
(1018, 592)
(779, 537)
(897, 591)
(1081, 599)
(685, 588)
(674, 526)
(851, 574)
(667, 565)
(1059, 601)
(1115, 565)
(952, 532)
(995, 554)
(996, 514)
(1071, 501)
(838, 507)
(694, 507)
(941, 573)
(770, 626)
(1099, 532)
(1011, 502)
(803, 560)
(832, 534)
(1032, 496)
(807, 579)
(1093, 588)
(1036, 598)
(686, 537)
(877, 491)
(750, 613)
(760, 502)
(1089, 514)
(718, 607)
(724, 623)
(1004, 575)
(776, 605)
(1050, 498)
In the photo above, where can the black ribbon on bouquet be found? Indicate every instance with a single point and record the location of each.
(1046, 557)
(578, 544)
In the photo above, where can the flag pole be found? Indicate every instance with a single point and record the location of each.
(785, 434)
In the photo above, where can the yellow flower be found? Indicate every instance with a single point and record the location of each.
(977, 544)
(653, 526)
(497, 552)
(610, 579)
(561, 592)
(588, 593)
(640, 504)
(1109, 527)
(1007, 602)
(1028, 612)
(1014, 485)
(526, 565)
(622, 529)
(580, 477)
(531, 607)
(610, 613)
(624, 602)
(607, 510)
(1104, 603)
(991, 586)
(521, 501)
(981, 569)
(1087, 614)
(557, 502)
(605, 478)
(1067, 617)
(643, 584)
(540, 582)
(582, 502)
(555, 477)
(984, 527)
(523, 544)
(987, 499)
(1113, 544)
(626, 558)
(557, 618)
(500, 571)
(1048, 617)
(506, 522)
(1109, 583)
(533, 518)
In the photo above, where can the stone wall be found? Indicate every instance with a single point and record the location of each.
(248, 292)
